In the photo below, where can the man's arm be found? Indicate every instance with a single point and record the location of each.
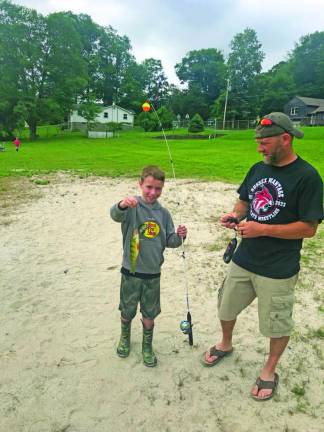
(241, 209)
(290, 231)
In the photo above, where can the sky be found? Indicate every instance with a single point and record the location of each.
(169, 29)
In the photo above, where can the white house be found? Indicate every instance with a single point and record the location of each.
(112, 113)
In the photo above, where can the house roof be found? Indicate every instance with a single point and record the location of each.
(103, 107)
(124, 109)
(312, 101)
(318, 110)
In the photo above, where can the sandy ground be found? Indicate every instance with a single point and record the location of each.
(59, 284)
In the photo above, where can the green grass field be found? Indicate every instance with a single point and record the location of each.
(224, 158)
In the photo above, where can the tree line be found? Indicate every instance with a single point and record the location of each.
(48, 64)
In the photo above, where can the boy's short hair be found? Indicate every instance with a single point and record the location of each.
(153, 171)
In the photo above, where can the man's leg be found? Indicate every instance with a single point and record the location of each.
(275, 307)
(235, 294)
(277, 347)
(226, 342)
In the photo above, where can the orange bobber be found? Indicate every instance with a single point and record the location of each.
(146, 106)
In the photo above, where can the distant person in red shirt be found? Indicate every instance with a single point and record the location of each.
(17, 143)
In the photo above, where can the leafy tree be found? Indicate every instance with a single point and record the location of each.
(196, 124)
(166, 118)
(189, 102)
(307, 65)
(217, 110)
(144, 81)
(67, 74)
(244, 65)
(89, 109)
(40, 64)
(19, 53)
(89, 35)
(112, 73)
(204, 72)
(21, 115)
(132, 92)
(147, 121)
(275, 88)
(8, 118)
(107, 58)
(176, 100)
(155, 84)
(114, 59)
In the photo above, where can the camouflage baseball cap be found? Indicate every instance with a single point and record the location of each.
(274, 124)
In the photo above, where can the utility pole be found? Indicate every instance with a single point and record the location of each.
(225, 108)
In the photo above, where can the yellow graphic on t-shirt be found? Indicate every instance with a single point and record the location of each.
(150, 229)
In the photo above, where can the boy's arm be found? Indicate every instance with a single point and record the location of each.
(173, 240)
(117, 213)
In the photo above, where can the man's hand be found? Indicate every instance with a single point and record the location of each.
(129, 201)
(239, 212)
(250, 229)
(182, 231)
(291, 231)
(229, 220)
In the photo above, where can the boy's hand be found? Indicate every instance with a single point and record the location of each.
(182, 231)
(129, 201)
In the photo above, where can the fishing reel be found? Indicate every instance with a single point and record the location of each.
(229, 252)
(185, 326)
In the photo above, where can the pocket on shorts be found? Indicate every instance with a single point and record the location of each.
(281, 313)
(282, 302)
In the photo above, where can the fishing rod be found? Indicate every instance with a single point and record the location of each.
(185, 325)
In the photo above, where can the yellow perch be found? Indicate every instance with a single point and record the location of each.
(134, 249)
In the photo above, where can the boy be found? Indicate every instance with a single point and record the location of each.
(147, 230)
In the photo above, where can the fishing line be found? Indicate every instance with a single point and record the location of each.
(185, 325)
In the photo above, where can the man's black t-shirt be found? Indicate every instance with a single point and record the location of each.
(278, 195)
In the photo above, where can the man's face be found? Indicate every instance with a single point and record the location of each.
(272, 148)
(151, 189)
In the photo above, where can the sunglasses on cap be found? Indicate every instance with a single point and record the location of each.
(266, 122)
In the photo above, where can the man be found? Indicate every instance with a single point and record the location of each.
(280, 203)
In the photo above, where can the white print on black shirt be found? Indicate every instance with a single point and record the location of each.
(266, 198)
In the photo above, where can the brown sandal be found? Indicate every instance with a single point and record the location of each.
(213, 351)
(266, 385)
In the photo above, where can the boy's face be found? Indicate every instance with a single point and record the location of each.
(151, 189)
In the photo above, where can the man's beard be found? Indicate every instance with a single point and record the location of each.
(274, 158)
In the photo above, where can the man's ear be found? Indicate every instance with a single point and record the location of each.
(287, 139)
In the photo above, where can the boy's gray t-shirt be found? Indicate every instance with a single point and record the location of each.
(156, 232)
